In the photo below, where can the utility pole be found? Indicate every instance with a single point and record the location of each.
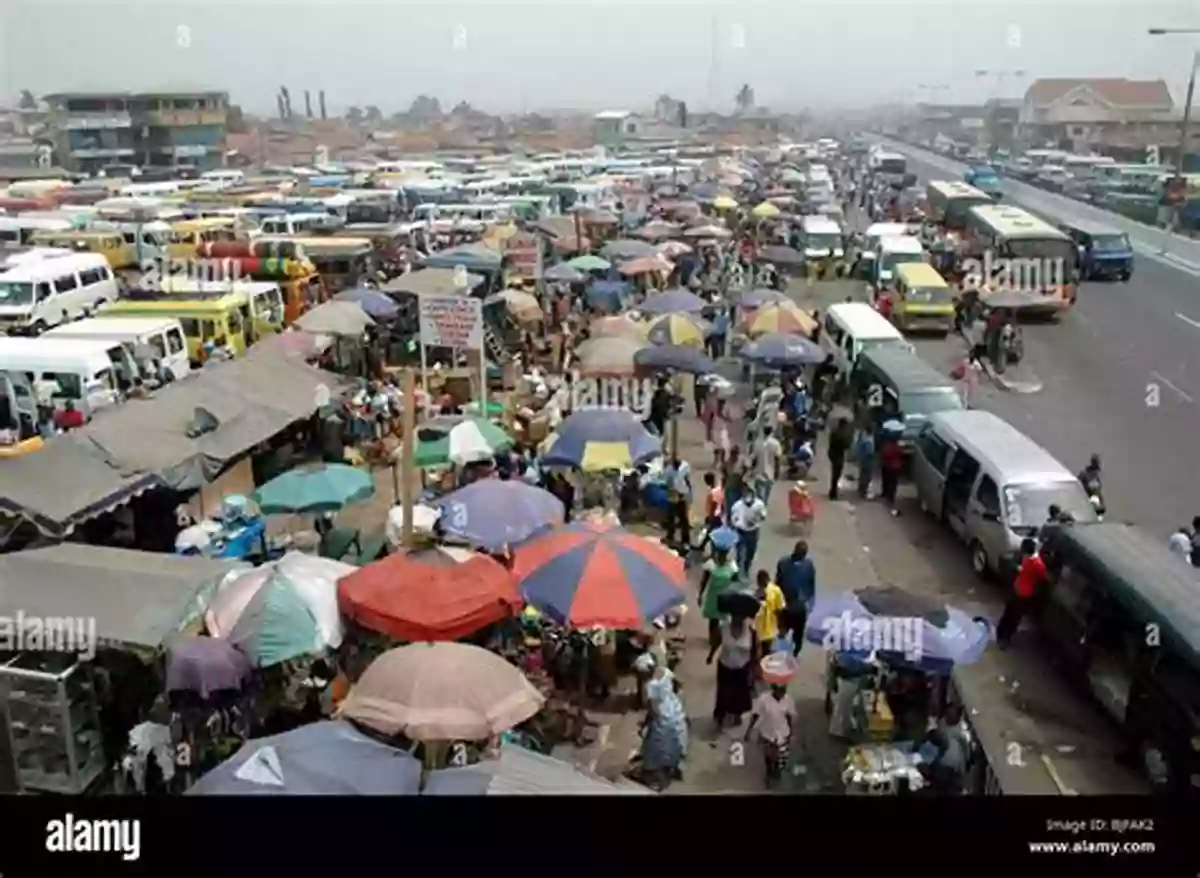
(1176, 188)
(714, 68)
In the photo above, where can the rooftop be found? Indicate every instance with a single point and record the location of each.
(118, 93)
(613, 114)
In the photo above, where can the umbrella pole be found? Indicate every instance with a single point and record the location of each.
(408, 449)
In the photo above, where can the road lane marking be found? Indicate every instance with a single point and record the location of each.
(1188, 320)
(1167, 382)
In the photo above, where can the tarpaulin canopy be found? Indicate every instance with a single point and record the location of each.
(431, 282)
(472, 257)
(136, 598)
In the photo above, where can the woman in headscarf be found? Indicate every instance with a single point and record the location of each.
(664, 732)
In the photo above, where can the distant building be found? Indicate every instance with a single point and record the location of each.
(95, 129)
(1096, 114)
(615, 126)
(25, 154)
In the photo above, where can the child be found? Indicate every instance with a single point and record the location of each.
(766, 623)
(774, 715)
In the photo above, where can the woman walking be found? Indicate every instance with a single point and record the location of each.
(664, 731)
(737, 648)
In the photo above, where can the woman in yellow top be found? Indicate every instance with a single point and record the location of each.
(772, 602)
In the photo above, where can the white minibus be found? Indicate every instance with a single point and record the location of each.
(83, 372)
(151, 341)
(48, 292)
(850, 328)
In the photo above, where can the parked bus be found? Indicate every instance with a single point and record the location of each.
(949, 201)
(1033, 255)
(205, 319)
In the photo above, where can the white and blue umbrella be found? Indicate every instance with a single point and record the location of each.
(495, 514)
(778, 349)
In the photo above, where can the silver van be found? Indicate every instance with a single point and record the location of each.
(991, 484)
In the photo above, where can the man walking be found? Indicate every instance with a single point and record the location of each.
(1031, 575)
(796, 576)
(841, 434)
(747, 517)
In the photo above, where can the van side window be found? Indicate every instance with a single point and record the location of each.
(65, 284)
(988, 495)
(934, 449)
(43, 291)
(1075, 593)
(91, 276)
(175, 342)
(105, 272)
(191, 328)
(130, 237)
(69, 385)
(159, 345)
(208, 329)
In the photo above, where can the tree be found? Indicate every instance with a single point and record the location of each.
(287, 100)
(354, 116)
(28, 101)
(425, 108)
(374, 115)
(235, 119)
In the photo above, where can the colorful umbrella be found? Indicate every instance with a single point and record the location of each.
(564, 272)
(321, 759)
(337, 319)
(678, 329)
(608, 356)
(627, 248)
(617, 327)
(677, 357)
(708, 231)
(411, 598)
(602, 439)
(517, 771)
(645, 265)
(496, 514)
(724, 202)
(441, 692)
(277, 625)
(758, 298)
(324, 487)
(589, 263)
(674, 249)
(766, 210)
(608, 295)
(476, 439)
(658, 230)
(589, 574)
(683, 301)
(205, 665)
(780, 318)
(778, 350)
(376, 304)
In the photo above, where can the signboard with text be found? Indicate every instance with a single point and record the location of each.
(451, 321)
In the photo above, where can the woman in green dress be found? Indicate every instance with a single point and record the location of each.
(720, 574)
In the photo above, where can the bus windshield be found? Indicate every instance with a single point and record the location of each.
(15, 294)
(828, 241)
(891, 260)
(1049, 249)
(893, 166)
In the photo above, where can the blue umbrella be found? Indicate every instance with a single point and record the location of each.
(321, 759)
(377, 304)
(681, 358)
(602, 439)
(326, 487)
(779, 349)
(724, 539)
(898, 629)
(564, 273)
(683, 301)
(610, 295)
(493, 513)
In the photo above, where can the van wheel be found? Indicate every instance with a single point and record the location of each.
(979, 558)
(38, 327)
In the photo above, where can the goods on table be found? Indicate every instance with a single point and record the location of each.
(877, 770)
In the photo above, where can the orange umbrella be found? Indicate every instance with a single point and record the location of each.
(782, 317)
(617, 327)
(645, 265)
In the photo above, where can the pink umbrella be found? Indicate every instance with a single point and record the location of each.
(672, 249)
(645, 265)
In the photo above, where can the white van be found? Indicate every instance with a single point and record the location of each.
(893, 252)
(151, 341)
(224, 177)
(822, 238)
(149, 240)
(71, 369)
(49, 292)
(295, 224)
(18, 230)
(850, 328)
(33, 254)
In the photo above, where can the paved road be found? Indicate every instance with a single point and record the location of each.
(1121, 373)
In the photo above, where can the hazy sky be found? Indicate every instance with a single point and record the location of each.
(509, 56)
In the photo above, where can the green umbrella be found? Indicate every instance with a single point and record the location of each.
(432, 453)
(494, 409)
(277, 625)
(323, 488)
(476, 439)
(588, 262)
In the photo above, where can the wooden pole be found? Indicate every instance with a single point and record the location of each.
(408, 454)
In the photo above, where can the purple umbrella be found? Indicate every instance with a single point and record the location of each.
(495, 513)
(205, 665)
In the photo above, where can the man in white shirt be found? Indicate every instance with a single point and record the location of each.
(679, 497)
(766, 469)
(747, 517)
(1181, 544)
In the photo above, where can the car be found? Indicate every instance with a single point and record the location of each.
(1053, 177)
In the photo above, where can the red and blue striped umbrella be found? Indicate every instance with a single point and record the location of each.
(594, 575)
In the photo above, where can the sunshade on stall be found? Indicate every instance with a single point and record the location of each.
(205, 665)
(656, 264)
(658, 230)
(410, 598)
(608, 295)
(377, 305)
(325, 487)
(339, 319)
(617, 327)
(320, 759)
(680, 358)
(625, 248)
(474, 440)
(590, 263)
(674, 249)
(922, 634)
(781, 318)
(595, 440)
(759, 297)
(724, 202)
(136, 598)
(780, 350)
(517, 771)
(766, 210)
(679, 300)
(589, 574)
(441, 692)
(478, 258)
(608, 356)
(433, 282)
(564, 272)
(496, 514)
(678, 329)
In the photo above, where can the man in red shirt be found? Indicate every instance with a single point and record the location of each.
(1031, 576)
(891, 467)
(69, 418)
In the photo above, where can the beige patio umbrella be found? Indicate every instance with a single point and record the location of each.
(441, 692)
(522, 305)
(609, 356)
(617, 327)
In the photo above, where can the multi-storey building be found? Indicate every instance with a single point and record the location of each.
(144, 128)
